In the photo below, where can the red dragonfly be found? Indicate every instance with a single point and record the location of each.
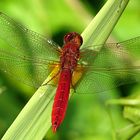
(29, 57)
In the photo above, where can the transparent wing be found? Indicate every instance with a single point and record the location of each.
(27, 41)
(111, 66)
(25, 54)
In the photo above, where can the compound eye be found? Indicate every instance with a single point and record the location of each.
(68, 37)
(73, 37)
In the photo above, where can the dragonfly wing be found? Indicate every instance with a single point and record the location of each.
(26, 41)
(110, 67)
(29, 71)
(25, 54)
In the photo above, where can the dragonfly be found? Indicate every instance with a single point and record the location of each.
(30, 57)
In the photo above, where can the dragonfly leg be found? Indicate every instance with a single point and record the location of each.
(51, 78)
(72, 85)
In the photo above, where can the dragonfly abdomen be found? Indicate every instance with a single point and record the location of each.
(61, 98)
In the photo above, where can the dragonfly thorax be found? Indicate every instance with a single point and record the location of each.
(70, 55)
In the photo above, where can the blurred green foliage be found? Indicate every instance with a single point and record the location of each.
(87, 116)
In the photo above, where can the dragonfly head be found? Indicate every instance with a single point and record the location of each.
(73, 37)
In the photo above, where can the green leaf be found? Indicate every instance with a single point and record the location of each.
(131, 112)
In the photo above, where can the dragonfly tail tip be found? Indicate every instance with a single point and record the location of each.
(54, 128)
